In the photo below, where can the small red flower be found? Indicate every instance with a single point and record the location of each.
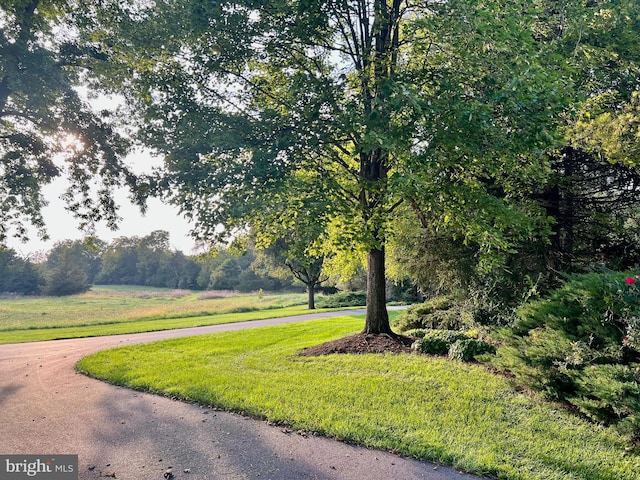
(630, 280)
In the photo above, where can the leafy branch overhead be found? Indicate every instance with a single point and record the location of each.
(445, 114)
(433, 104)
(46, 129)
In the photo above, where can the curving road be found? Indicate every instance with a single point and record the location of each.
(48, 408)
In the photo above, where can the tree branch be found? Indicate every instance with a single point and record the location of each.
(392, 208)
(419, 213)
(5, 91)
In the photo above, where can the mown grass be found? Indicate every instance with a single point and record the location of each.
(423, 407)
(113, 304)
(111, 310)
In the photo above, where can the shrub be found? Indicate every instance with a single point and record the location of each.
(430, 346)
(437, 342)
(540, 360)
(468, 349)
(65, 279)
(437, 313)
(608, 391)
(17, 275)
(581, 346)
(343, 299)
(416, 332)
(485, 310)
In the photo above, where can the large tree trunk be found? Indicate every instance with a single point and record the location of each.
(559, 204)
(377, 319)
(5, 91)
(311, 292)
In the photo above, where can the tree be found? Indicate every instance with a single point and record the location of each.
(148, 260)
(185, 270)
(225, 277)
(592, 193)
(590, 190)
(438, 105)
(291, 232)
(46, 129)
(119, 262)
(154, 255)
(67, 268)
(86, 254)
(17, 275)
(231, 269)
(285, 258)
(594, 202)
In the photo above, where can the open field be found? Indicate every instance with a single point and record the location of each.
(420, 406)
(110, 310)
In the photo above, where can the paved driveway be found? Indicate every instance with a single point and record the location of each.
(48, 408)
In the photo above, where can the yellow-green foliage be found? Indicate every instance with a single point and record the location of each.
(439, 312)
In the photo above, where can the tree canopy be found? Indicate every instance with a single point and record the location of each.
(445, 106)
(351, 115)
(17, 275)
(589, 192)
(47, 129)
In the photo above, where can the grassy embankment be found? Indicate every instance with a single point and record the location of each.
(424, 407)
(112, 310)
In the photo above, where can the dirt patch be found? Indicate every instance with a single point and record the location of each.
(362, 343)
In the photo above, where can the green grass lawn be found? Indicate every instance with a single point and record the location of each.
(110, 310)
(423, 407)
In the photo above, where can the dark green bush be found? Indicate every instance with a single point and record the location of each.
(17, 275)
(468, 349)
(608, 392)
(539, 360)
(581, 346)
(437, 342)
(437, 313)
(431, 346)
(343, 299)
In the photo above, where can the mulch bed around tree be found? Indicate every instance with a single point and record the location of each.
(362, 343)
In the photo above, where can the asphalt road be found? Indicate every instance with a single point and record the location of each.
(48, 408)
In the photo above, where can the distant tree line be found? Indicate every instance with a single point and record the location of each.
(72, 266)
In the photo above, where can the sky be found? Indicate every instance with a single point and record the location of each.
(62, 226)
